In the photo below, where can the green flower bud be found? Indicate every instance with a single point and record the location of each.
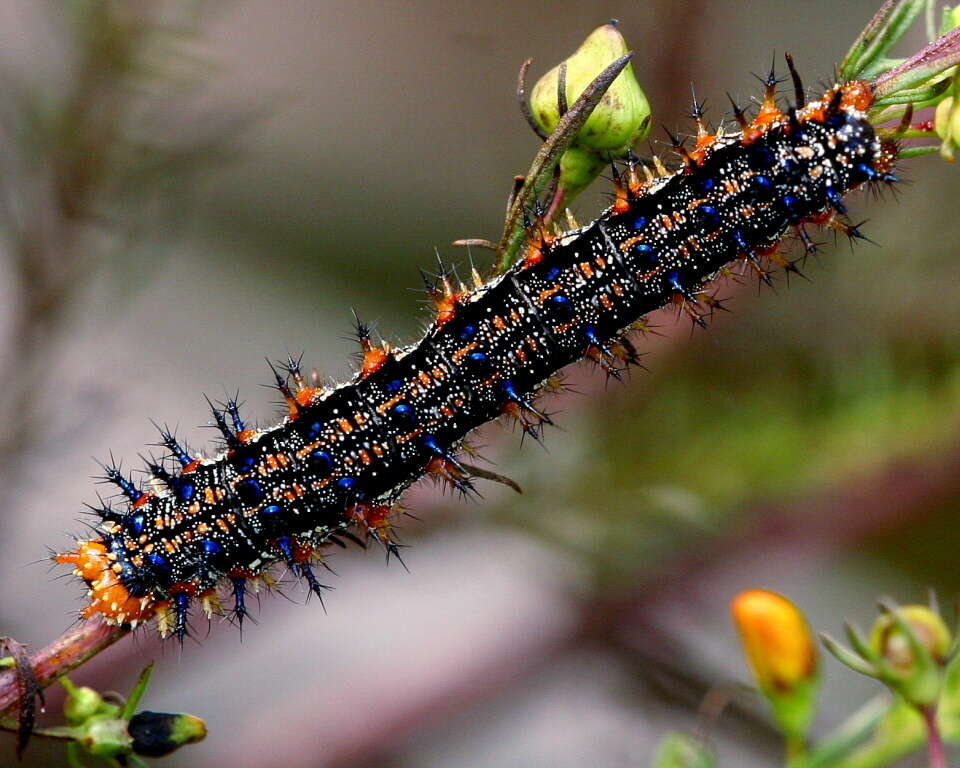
(156, 734)
(909, 649)
(683, 750)
(83, 703)
(105, 736)
(946, 123)
(578, 168)
(892, 644)
(623, 115)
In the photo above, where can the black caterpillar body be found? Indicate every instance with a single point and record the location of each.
(341, 458)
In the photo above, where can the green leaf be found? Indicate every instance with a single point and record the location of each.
(882, 32)
(921, 68)
(137, 693)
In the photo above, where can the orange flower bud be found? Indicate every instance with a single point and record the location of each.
(776, 640)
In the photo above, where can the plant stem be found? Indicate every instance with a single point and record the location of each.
(938, 757)
(68, 651)
(796, 749)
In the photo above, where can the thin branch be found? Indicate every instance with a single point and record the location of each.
(67, 652)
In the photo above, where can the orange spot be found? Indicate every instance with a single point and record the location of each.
(191, 466)
(381, 409)
(499, 323)
(463, 352)
(182, 587)
(547, 293)
(605, 300)
(533, 255)
(144, 498)
(109, 597)
(246, 436)
(345, 425)
(306, 396)
(586, 269)
(373, 360)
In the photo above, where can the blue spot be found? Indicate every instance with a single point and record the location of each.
(762, 181)
(478, 357)
(708, 184)
(394, 385)
(866, 170)
(158, 562)
(738, 239)
(761, 155)
(431, 443)
(562, 306)
(210, 547)
(674, 278)
(467, 332)
(789, 201)
(647, 252)
(835, 200)
(346, 483)
(243, 463)
(134, 522)
(272, 509)
(553, 274)
(640, 222)
(591, 335)
(315, 429)
(249, 491)
(712, 218)
(404, 411)
(321, 462)
(185, 491)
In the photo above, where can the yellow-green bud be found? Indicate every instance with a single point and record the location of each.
(946, 123)
(623, 115)
(82, 703)
(891, 644)
(105, 736)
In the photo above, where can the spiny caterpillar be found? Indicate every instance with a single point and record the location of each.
(338, 462)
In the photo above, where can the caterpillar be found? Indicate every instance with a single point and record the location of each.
(336, 465)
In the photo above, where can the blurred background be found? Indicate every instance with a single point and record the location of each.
(186, 187)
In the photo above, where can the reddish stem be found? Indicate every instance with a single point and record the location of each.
(68, 651)
(938, 756)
